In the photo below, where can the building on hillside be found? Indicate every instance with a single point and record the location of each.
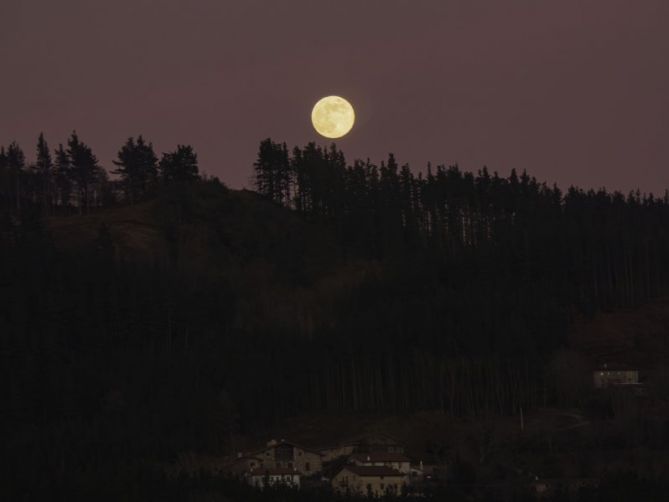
(609, 375)
(395, 461)
(283, 454)
(368, 480)
(262, 477)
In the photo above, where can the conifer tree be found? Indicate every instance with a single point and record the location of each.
(84, 170)
(137, 166)
(44, 172)
(180, 165)
(273, 171)
(63, 177)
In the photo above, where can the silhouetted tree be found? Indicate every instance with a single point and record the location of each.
(84, 171)
(273, 171)
(45, 175)
(64, 178)
(180, 165)
(137, 167)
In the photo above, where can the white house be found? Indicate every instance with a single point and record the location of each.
(261, 477)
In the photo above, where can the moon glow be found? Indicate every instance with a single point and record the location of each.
(332, 117)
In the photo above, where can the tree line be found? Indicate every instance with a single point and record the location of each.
(71, 179)
(613, 246)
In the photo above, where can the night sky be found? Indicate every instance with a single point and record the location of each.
(576, 92)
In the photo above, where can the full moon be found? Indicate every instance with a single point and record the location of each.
(332, 117)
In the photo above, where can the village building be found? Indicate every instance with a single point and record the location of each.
(609, 375)
(395, 461)
(265, 477)
(368, 480)
(285, 455)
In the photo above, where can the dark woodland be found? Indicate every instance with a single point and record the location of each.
(149, 310)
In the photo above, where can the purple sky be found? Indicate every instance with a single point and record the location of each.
(576, 92)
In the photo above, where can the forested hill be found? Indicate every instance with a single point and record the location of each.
(168, 312)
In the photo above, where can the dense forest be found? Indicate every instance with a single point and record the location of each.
(334, 286)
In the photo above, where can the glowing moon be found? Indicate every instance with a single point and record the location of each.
(332, 117)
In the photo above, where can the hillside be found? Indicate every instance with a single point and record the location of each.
(203, 227)
(237, 234)
(205, 319)
(278, 264)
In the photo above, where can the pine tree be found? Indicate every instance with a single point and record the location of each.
(179, 166)
(44, 172)
(137, 166)
(273, 171)
(63, 178)
(300, 188)
(84, 170)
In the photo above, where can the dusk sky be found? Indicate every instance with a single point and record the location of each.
(576, 92)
